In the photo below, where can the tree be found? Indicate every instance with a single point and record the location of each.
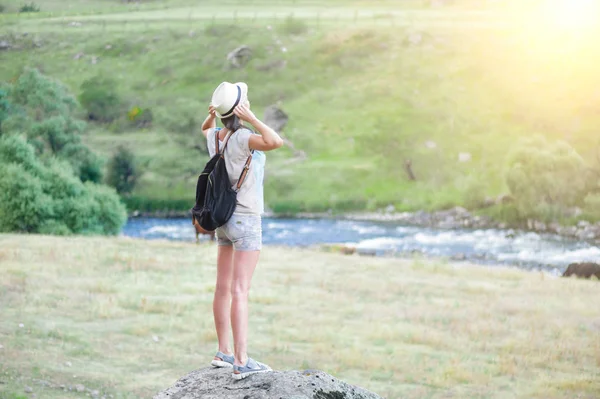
(46, 110)
(46, 196)
(122, 172)
(545, 177)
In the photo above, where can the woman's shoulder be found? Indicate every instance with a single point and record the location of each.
(242, 137)
(211, 131)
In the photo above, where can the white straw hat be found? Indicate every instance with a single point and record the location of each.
(228, 96)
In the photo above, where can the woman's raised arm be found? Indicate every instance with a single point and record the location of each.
(268, 139)
(210, 121)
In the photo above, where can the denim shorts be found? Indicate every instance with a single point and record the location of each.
(244, 232)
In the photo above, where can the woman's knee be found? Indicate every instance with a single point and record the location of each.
(240, 290)
(223, 288)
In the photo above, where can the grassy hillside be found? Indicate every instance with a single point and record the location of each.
(366, 85)
(128, 318)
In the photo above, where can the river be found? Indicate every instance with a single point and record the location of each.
(532, 251)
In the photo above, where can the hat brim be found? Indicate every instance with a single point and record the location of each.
(243, 98)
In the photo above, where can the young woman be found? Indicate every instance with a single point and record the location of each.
(240, 239)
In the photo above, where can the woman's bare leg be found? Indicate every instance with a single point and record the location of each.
(222, 298)
(244, 263)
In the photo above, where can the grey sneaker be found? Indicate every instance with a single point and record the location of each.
(251, 367)
(225, 360)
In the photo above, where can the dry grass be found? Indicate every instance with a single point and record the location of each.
(404, 329)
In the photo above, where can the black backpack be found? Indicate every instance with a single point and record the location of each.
(215, 199)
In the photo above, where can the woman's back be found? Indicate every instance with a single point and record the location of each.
(250, 197)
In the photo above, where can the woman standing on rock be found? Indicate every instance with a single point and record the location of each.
(240, 239)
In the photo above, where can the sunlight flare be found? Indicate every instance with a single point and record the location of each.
(572, 14)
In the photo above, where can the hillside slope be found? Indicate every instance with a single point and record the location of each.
(363, 97)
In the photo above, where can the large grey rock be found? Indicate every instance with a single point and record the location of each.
(239, 57)
(213, 383)
(585, 270)
(275, 118)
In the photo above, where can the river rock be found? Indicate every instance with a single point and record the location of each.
(275, 118)
(239, 57)
(215, 383)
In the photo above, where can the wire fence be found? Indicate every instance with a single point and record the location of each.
(192, 18)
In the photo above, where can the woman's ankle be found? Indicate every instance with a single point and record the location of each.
(225, 350)
(240, 360)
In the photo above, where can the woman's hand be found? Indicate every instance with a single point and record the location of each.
(243, 112)
(211, 111)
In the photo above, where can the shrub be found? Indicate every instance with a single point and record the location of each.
(122, 172)
(86, 164)
(23, 204)
(592, 205)
(36, 97)
(545, 178)
(2, 8)
(46, 110)
(474, 193)
(31, 7)
(46, 197)
(110, 212)
(100, 98)
(140, 118)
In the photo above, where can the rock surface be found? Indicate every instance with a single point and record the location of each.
(239, 57)
(584, 270)
(275, 118)
(212, 383)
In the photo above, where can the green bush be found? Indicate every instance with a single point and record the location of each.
(23, 204)
(35, 99)
(140, 118)
(122, 171)
(592, 206)
(47, 197)
(545, 178)
(100, 98)
(46, 110)
(86, 164)
(31, 7)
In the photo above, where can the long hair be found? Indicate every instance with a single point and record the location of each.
(232, 123)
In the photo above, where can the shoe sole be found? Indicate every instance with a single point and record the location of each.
(220, 363)
(241, 376)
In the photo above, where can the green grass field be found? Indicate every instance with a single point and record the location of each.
(129, 317)
(367, 85)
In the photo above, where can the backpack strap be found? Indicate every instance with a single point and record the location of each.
(244, 172)
(246, 165)
(217, 141)
(226, 140)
